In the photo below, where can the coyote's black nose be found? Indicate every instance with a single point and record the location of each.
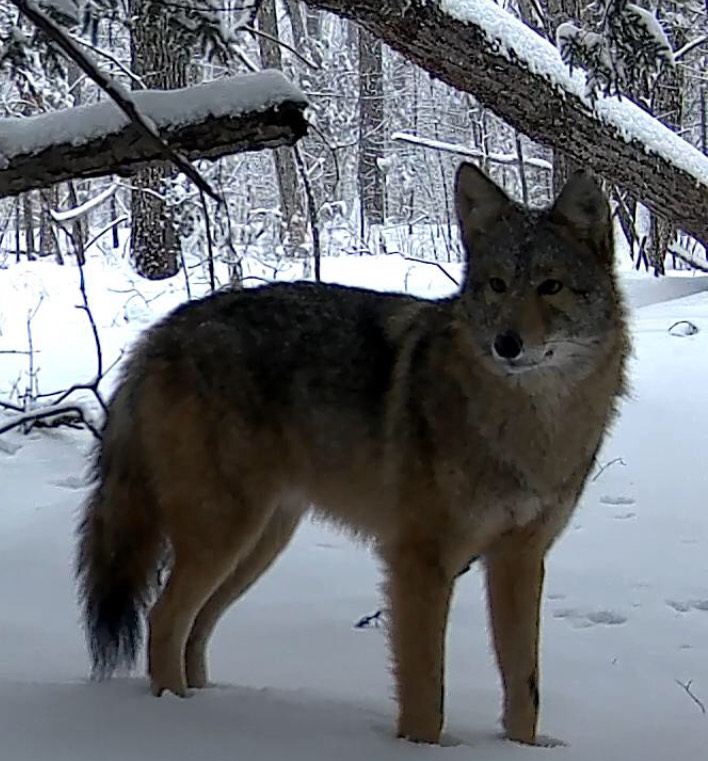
(508, 345)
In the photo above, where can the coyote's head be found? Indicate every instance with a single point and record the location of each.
(539, 287)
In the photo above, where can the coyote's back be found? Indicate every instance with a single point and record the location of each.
(440, 430)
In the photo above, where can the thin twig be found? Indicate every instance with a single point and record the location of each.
(687, 260)
(603, 468)
(97, 340)
(687, 688)
(52, 411)
(118, 94)
(210, 245)
(434, 264)
(105, 54)
(258, 33)
(312, 213)
(10, 406)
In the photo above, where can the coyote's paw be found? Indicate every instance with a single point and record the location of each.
(175, 686)
(540, 741)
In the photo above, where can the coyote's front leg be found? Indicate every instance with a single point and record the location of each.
(419, 589)
(515, 570)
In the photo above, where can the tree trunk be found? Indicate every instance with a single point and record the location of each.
(160, 56)
(371, 130)
(78, 228)
(294, 221)
(28, 225)
(48, 244)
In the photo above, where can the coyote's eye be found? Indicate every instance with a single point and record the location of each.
(497, 285)
(549, 287)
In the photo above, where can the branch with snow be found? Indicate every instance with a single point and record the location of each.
(474, 153)
(477, 47)
(64, 414)
(120, 96)
(244, 113)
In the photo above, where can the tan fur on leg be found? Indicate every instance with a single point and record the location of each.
(515, 572)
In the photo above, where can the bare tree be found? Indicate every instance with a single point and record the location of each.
(371, 130)
(292, 205)
(160, 56)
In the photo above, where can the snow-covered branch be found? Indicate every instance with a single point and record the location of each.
(474, 153)
(244, 113)
(476, 46)
(120, 96)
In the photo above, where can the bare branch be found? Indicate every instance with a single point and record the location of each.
(53, 411)
(687, 688)
(603, 468)
(258, 33)
(434, 264)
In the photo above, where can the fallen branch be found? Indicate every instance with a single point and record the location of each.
(249, 112)
(687, 688)
(55, 410)
(687, 260)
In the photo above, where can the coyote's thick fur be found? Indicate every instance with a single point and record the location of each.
(439, 430)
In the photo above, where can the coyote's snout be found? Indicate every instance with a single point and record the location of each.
(440, 430)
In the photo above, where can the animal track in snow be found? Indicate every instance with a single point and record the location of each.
(617, 501)
(684, 606)
(583, 618)
(624, 516)
(71, 482)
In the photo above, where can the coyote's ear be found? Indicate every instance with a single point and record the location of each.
(479, 202)
(583, 207)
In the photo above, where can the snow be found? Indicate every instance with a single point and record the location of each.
(83, 209)
(518, 42)
(230, 96)
(462, 150)
(625, 615)
(652, 28)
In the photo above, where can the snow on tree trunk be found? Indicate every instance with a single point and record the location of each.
(161, 58)
(371, 130)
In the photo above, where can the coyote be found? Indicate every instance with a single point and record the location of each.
(438, 430)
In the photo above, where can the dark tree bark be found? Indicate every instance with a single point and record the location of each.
(160, 56)
(371, 130)
(461, 55)
(291, 198)
(78, 228)
(28, 225)
(48, 244)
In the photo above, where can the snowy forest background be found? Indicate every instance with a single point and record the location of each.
(88, 263)
(373, 175)
(366, 175)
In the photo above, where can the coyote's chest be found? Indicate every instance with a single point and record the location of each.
(508, 471)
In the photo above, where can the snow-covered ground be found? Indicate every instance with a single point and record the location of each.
(625, 621)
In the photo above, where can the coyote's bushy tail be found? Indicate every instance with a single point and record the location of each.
(119, 544)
